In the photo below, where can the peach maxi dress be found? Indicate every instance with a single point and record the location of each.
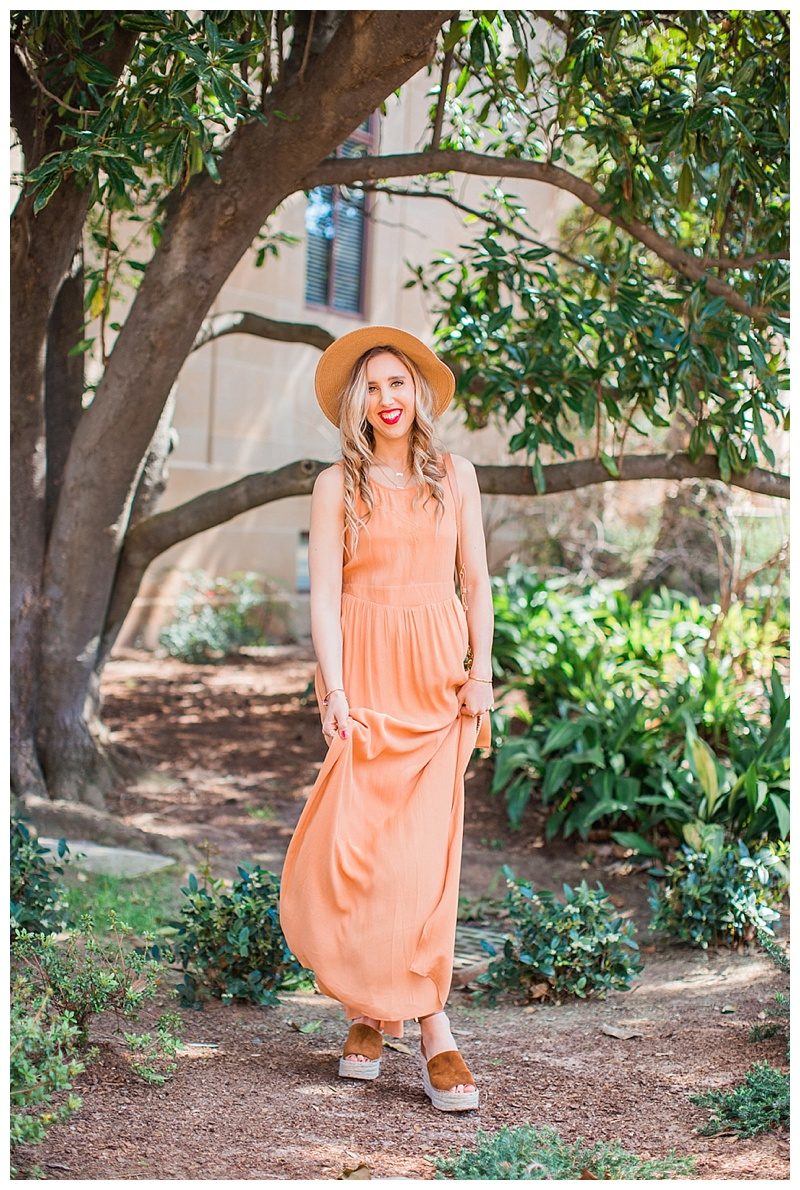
(369, 888)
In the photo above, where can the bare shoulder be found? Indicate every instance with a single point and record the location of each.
(464, 468)
(331, 481)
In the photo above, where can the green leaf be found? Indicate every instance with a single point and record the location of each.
(685, 185)
(704, 763)
(537, 470)
(637, 843)
(521, 71)
(610, 464)
(782, 814)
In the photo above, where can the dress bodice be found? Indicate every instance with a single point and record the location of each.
(406, 549)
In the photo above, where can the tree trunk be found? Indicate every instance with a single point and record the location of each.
(42, 248)
(64, 379)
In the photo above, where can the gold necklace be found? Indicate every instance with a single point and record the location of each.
(399, 486)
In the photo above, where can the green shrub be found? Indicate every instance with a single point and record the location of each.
(42, 1063)
(37, 896)
(581, 947)
(530, 1153)
(609, 687)
(153, 1056)
(215, 617)
(230, 943)
(84, 975)
(720, 894)
(757, 1105)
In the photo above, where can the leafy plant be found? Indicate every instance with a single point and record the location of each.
(616, 695)
(215, 617)
(757, 1105)
(719, 894)
(153, 1056)
(230, 943)
(531, 1153)
(42, 1064)
(85, 976)
(581, 947)
(37, 896)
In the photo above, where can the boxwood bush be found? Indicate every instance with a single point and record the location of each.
(230, 943)
(580, 947)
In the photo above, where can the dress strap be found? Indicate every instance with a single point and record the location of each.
(452, 479)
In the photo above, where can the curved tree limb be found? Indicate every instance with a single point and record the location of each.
(344, 171)
(244, 322)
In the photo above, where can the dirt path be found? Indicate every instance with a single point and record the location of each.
(234, 754)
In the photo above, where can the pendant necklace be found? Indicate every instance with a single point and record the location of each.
(399, 474)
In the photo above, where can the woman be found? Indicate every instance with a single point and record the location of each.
(369, 889)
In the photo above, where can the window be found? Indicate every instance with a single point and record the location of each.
(336, 235)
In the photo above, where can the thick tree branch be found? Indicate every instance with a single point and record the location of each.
(342, 171)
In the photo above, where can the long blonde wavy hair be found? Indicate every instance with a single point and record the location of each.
(357, 439)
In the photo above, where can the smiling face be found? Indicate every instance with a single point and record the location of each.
(391, 400)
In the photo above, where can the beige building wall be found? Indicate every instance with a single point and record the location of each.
(245, 404)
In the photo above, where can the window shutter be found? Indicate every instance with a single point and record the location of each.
(319, 241)
(348, 246)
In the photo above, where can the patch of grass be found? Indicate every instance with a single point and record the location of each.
(757, 1105)
(266, 813)
(528, 1153)
(145, 903)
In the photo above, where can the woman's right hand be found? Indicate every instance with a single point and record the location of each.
(337, 713)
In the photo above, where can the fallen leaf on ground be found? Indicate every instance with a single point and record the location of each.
(620, 1032)
(308, 1027)
(361, 1171)
(396, 1045)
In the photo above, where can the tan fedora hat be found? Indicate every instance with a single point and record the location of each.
(336, 364)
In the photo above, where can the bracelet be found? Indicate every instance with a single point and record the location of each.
(330, 692)
(489, 680)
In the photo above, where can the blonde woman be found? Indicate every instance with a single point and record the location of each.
(369, 889)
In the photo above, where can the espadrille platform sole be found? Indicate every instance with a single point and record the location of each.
(362, 1039)
(447, 1069)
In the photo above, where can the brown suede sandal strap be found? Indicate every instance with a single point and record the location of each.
(363, 1039)
(447, 1069)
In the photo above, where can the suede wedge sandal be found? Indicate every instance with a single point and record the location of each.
(440, 1074)
(362, 1039)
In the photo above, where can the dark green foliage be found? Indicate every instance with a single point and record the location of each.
(530, 1153)
(230, 943)
(581, 947)
(85, 976)
(42, 1062)
(553, 344)
(757, 1105)
(37, 900)
(613, 690)
(720, 895)
(215, 617)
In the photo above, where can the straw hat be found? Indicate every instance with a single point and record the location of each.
(336, 363)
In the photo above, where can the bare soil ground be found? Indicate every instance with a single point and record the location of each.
(234, 752)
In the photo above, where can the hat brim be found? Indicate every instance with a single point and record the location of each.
(336, 364)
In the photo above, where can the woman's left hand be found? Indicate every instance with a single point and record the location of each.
(475, 698)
